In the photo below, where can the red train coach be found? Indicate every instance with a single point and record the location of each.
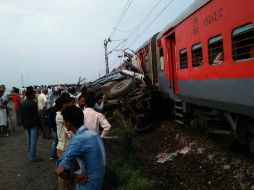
(205, 62)
(147, 58)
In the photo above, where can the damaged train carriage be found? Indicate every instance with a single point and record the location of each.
(204, 62)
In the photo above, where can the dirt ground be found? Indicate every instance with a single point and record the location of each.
(193, 162)
(17, 172)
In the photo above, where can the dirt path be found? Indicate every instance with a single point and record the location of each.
(17, 172)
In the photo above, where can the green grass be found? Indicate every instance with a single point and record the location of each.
(123, 161)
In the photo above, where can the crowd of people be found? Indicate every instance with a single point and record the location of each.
(69, 118)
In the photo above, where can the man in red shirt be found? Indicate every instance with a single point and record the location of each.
(16, 102)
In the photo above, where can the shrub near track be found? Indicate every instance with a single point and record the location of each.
(123, 160)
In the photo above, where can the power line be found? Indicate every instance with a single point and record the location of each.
(138, 26)
(130, 30)
(155, 18)
(150, 12)
(143, 20)
(117, 46)
(123, 13)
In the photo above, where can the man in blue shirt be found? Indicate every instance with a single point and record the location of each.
(87, 148)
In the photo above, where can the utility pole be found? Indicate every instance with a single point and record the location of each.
(22, 80)
(106, 54)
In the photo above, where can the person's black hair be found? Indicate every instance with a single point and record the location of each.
(61, 100)
(90, 101)
(65, 94)
(29, 93)
(59, 103)
(16, 90)
(74, 115)
(71, 99)
(72, 90)
(90, 92)
(84, 90)
(81, 96)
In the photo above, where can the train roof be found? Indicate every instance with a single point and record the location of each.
(186, 13)
(147, 42)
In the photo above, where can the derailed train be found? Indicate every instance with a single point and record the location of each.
(204, 63)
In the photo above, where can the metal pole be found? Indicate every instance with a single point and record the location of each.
(106, 55)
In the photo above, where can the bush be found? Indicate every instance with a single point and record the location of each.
(129, 178)
(121, 169)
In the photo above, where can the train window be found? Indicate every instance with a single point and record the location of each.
(243, 42)
(197, 55)
(183, 59)
(162, 59)
(147, 63)
(216, 55)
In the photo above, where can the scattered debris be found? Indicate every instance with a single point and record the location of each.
(185, 150)
(226, 167)
(200, 150)
(210, 156)
(163, 157)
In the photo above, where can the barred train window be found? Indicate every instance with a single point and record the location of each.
(197, 55)
(147, 63)
(183, 59)
(216, 54)
(243, 42)
(161, 59)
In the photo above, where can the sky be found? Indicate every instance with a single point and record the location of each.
(57, 41)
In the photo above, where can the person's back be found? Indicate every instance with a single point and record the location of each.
(29, 113)
(16, 100)
(42, 101)
(93, 119)
(30, 121)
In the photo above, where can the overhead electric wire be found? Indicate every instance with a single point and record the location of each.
(143, 20)
(119, 20)
(137, 27)
(130, 30)
(155, 18)
(117, 46)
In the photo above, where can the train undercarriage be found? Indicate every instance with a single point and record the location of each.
(214, 122)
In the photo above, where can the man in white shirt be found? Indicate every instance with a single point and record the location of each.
(42, 99)
(94, 120)
(42, 107)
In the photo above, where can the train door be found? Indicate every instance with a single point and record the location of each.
(164, 82)
(171, 51)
